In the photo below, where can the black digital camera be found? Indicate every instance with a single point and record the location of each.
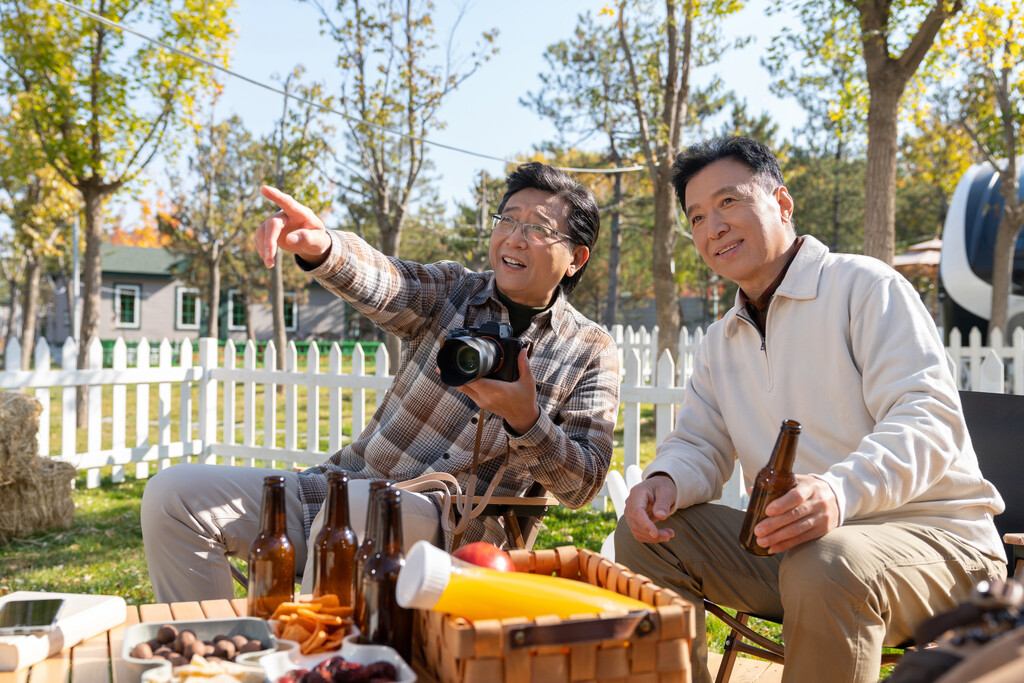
(487, 351)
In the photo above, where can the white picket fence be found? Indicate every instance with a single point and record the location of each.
(214, 426)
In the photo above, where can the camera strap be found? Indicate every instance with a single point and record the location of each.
(443, 482)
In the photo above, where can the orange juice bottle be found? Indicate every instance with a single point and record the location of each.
(432, 579)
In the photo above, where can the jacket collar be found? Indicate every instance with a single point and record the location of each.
(556, 312)
(801, 281)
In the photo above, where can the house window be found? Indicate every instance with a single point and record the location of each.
(236, 310)
(291, 312)
(126, 306)
(187, 317)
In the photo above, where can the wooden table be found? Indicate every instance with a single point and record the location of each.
(98, 660)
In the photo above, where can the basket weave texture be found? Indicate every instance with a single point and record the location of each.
(455, 650)
(35, 492)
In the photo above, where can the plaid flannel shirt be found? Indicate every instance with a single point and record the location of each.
(423, 426)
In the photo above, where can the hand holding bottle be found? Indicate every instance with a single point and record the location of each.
(808, 511)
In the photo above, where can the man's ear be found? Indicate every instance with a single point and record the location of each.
(580, 254)
(786, 204)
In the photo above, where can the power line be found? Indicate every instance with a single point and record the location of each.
(188, 55)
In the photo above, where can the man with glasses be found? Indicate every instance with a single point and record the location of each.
(553, 425)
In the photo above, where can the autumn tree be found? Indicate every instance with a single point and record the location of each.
(893, 40)
(102, 106)
(215, 204)
(659, 50)
(41, 209)
(583, 98)
(395, 77)
(988, 52)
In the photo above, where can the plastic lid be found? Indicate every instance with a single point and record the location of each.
(424, 578)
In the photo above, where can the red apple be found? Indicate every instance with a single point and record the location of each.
(485, 555)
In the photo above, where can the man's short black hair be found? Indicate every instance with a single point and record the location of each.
(754, 155)
(584, 219)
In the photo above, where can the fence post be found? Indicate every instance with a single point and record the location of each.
(68, 402)
(94, 427)
(334, 438)
(43, 396)
(208, 399)
(119, 407)
(664, 412)
(270, 400)
(163, 397)
(142, 407)
(631, 412)
(185, 397)
(291, 398)
(229, 397)
(313, 399)
(249, 400)
(991, 376)
(358, 392)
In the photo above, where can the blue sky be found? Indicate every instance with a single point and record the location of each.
(484, 114)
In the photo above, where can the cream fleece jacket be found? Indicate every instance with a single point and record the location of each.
(851, 353)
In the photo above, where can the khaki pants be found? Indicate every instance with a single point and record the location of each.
(196, 516)
(840, 598)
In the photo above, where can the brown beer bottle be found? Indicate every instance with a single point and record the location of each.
(271, 555)
(386, 622)
(774, 479)
(370, 534)
(334, 550)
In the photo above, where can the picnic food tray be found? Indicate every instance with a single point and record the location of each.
(646, 647)
(249, 627)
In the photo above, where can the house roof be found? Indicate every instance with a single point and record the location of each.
(138, 260)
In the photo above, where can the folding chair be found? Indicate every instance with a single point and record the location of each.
(996, 425)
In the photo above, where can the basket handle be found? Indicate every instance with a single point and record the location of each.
(638, 623)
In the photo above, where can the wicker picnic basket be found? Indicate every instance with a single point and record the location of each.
(654, 649)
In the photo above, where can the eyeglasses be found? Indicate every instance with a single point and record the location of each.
(538, 234)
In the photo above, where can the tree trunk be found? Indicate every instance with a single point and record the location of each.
(880, 181)
(30, 310)
(12, 307)
(666, 299)
(1002, 263)
(213, 300)
(611, 309)
(92, 274)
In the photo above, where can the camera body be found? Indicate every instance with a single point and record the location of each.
(488, 351)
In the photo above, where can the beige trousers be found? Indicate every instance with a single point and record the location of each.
(840, 598)
(196, 516)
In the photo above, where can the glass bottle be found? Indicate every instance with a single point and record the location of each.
(387, 623)
(774, 479)
(271, 555)
(334, 550)
(370, 533)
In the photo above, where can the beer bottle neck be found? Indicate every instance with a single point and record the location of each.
(337, 503)
(391, 524)
(272, 520)
(784, 454)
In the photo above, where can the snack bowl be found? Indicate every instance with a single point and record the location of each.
(285, 659)
(251, 628)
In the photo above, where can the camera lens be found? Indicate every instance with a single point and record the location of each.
(467, 360)
(464, 359)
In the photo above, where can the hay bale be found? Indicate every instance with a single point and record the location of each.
(19, 425)
(39, 501)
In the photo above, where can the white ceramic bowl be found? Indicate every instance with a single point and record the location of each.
(287, 658)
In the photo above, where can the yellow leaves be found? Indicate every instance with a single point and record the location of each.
(606, 11)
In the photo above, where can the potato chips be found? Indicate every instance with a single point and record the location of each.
(317, 626)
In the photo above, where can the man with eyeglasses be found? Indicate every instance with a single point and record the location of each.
(552, 426)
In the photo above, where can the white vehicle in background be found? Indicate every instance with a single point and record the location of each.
(968, 242)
